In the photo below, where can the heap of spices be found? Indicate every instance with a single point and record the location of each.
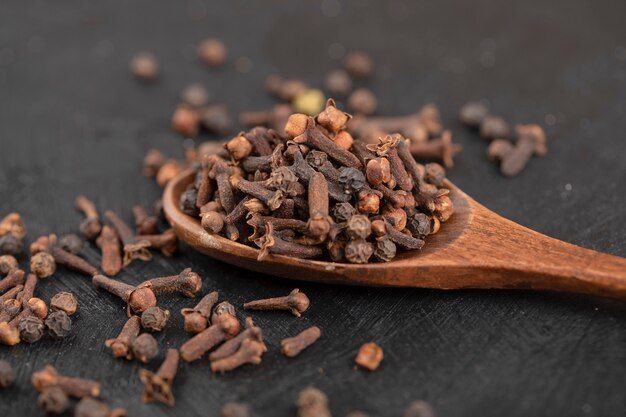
(419, 408)
(74, 387)
(90, 407)
(312, 402)
(121, 345)
(292, 346)
(144, 66)
(145, 347)
(158, 386)
(62, 257)
(91, 226)
(6, 374)
(154, 319)
(53, 400)
(196, 319)
(370, 356)
(235, 410)
(295, 194)
(133, 248)
(59, 324)
(296, 302)
(64, 301)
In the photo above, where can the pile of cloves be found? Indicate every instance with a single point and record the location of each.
(316, 192)
(510, 146)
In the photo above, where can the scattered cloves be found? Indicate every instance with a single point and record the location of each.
(110, 247)
(133, 247)
(154, 319)
(74, 387)
(138, 298)
(187, 283)
(158, 386)
(91, 226)
(121, 345)
(369, 357)
(62, 257)
(197, 319)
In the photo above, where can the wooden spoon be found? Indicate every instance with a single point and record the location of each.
(476, 248)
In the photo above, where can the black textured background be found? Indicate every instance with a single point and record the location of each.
(72, 120)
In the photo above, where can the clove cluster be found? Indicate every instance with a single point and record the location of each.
(317, 192)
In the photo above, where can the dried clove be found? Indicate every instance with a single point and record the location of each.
(121, 345)
(187, 283)
(90, 227)
(166, 242)
(197, 319)
(292, 346)
(90, 407)
(442, 149)
(138, 298)
(250, 351)
(473, 113)
(358, 64)
(145, 66)
(7, 264)
(369, 357)
(110, 247)
(74, 387)
(15, 277)
(212, 52)
(6, 374)
(145, 223)
(154, 319)
(133, 247)
(145, 347)
(297, 302)
(231, 346)
(43, 265)
(64, 301)
(53, 400)
(158, 386)
(312, 402)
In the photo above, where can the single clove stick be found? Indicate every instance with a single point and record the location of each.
(146, 224)
(133, 247)
(187, 283)
(15, 277)
(197, 319)
(29, 288)
(137, 299)
(62, 257)
(319, 221)
(442, 148)
(109, 244)
(166, 242)
(272, 243)
(384, 228)
(74, 387)
(231, 346)
(292, 346)
(158, 386)
(11, 294)
(316, 139)
(90, 227)
(224, 326)
(250, 351)
(121, 345)
(297, 302)
(416, 170)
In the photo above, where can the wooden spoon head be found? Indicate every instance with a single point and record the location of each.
(391, 273)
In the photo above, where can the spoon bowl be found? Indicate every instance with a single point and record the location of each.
(475, 248)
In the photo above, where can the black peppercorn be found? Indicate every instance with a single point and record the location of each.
(385, 249)
(53, 400)
(358, 251)
(31, 329)
(342, 212)
(154, 319)
(6, 374)
(145, 347)
(316, 158)
(419, 225)
(72, 243)
(59, 324)
(64, 301)
(10, 245)
(351, 179)
(359, 227)
(188, 202)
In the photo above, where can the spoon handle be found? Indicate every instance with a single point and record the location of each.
(508, 255)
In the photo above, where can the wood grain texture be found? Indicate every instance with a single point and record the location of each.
(73, 120)
(476, 248)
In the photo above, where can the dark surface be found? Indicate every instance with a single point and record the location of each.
(72, 120)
